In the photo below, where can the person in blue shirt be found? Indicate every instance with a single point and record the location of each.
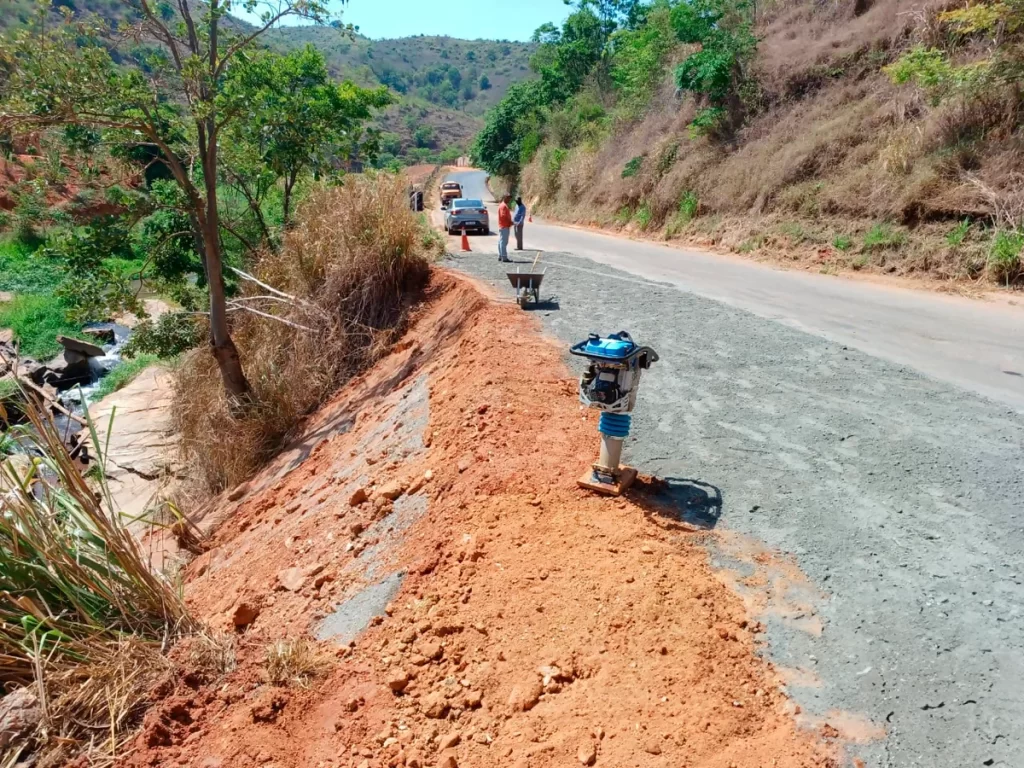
(518, 219)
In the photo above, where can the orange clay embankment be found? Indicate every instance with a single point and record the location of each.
(537, 625)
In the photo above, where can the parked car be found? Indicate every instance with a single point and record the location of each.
(450, 190)
(469, 214)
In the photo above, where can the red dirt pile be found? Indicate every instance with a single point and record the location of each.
(537, 625)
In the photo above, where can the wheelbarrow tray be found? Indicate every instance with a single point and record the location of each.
(527, 285)
(529, 280)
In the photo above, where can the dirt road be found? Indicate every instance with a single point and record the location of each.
(839, 423)
(975, 345)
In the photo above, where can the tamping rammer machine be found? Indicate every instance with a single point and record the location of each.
(609, 385)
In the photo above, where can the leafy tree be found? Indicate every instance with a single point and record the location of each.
(174, 101)
(296, 118)
(715, 73)
(485, 83)
(498, 147)
(639, 55)
(423, 136)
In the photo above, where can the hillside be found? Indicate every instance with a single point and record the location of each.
(443, 84)
(465, 75)
(830, 162)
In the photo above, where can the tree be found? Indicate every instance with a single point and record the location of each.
(498, 147)
(295, 118)
(165, 91)
(485, 83)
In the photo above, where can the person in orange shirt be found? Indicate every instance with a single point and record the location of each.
(504, 228)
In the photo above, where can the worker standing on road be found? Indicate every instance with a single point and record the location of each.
(504, 228)
(518, 219)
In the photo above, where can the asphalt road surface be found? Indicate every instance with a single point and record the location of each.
(976, 345)
(875, 435)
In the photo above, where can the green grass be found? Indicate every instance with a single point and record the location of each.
(644, 216)
(956, 235)
(689, 206)
(24, 270)
(883, 235)
(842, 243)
(1004, 260)
(36, 322)
(123, 374)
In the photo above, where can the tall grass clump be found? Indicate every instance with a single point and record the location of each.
(338, 291)
(83, 618)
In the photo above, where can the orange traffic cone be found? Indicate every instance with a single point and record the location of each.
(465, 240)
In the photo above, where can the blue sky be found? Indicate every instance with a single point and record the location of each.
(470, 19)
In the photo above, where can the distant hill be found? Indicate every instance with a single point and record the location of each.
(445, 84)
(467, 75)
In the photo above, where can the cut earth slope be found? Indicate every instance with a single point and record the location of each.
(510, 618)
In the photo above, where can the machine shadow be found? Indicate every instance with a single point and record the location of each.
(680, 500)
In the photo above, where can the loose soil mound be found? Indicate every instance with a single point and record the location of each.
(535, 624)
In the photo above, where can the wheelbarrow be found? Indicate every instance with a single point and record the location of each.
(527, 285)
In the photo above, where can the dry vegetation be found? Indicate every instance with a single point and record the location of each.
(837, 166)
(84, 621)
(342, 285)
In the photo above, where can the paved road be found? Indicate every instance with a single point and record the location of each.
(900, 494)
(976, 345)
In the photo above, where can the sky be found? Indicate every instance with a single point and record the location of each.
(469, 19)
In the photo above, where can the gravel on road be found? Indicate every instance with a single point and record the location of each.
(900, 498)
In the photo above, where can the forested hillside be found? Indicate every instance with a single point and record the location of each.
(443, 85)
(852, 135)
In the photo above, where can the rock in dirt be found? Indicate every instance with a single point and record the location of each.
(430, 648)
(356, 528)
(398, 680)
(525, 696)
(268, 706)
(393, 490)
(447, 761)
(291, 579)
(244, 615)
(587, 753)
(358, 497)
(434, 705)
(449, 740)
(20, 713)
(81, 347)
(238, 492)
(652, 747)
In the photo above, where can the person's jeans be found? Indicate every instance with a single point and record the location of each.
(519, 236)
(503, 234)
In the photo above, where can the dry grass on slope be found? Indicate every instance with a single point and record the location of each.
(835, 153)
(353, 266)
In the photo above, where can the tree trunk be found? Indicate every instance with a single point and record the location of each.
(289, 183)
(224, 350)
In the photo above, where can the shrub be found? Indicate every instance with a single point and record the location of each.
(643, 216)
(1004, 262)
(632, 168)
(171, 334)
(354, 264)
(842, 243)
(956, 235)
(689, 206)
(883, 236)
(623, 217)
(80, 609)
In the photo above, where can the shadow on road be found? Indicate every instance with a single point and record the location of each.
(680, 500)
(549, 303)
